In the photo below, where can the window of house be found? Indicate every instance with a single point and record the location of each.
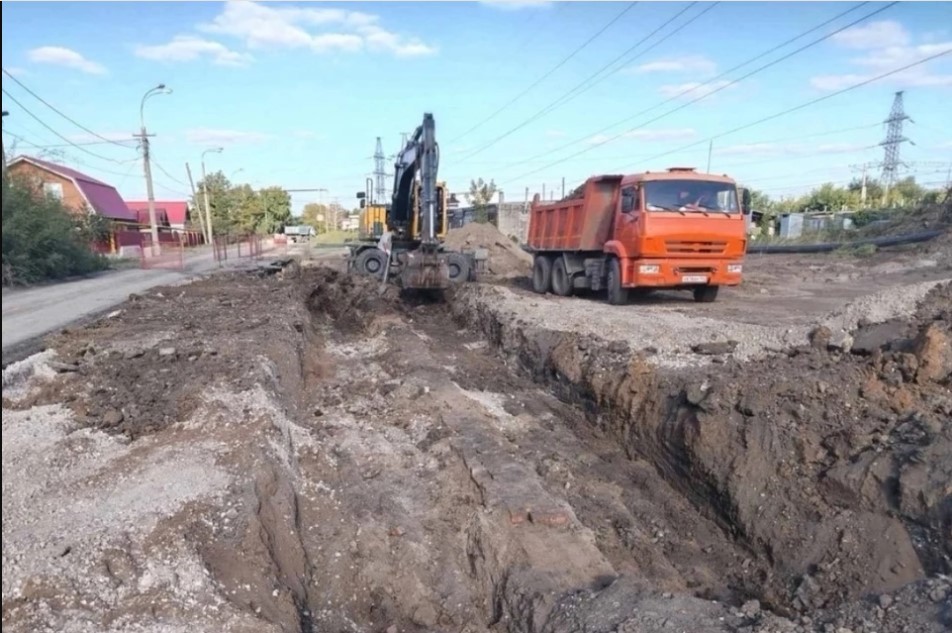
(53, 188)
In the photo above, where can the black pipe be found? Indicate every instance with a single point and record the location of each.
(896, 240)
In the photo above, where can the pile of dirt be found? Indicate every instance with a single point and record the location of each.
(506, 258)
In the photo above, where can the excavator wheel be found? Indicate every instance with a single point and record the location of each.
(371, 262)
(459, 267)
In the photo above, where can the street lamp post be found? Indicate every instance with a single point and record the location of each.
(208, 213)
(146, 166)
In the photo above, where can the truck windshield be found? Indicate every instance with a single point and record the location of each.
(687, 196)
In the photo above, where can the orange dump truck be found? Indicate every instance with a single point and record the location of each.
(673, 229)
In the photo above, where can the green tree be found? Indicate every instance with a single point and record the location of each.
(219, 201)
(275, 205)
(829, 198)
(480, 195)
(42, 239)
(315, 215)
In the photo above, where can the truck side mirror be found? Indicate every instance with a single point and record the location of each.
(745, 201)
(363, 203)
(361, 195)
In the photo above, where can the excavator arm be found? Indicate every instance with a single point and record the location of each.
(425, 267)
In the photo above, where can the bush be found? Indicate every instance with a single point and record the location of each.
(41, 238)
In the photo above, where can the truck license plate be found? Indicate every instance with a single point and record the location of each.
(694, 279)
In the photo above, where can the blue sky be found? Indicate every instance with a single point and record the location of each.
(296, 93)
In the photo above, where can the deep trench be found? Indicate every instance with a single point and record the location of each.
(632, 418)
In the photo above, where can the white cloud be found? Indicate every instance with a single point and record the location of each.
(215, 137)
(60, 56)
(689, 63)
(693, 89)
(17, 72)
(875, 35)
(516, 5)
(649, 136)
(273, 26)
(186, 48)
(886, 46)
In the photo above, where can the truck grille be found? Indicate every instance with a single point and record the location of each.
(687, 247)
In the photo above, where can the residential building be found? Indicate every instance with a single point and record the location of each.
(79, 192)
(171, 213)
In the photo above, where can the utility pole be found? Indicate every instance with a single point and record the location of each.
(208, 212)
(150, 193)
(201, 220)
(563, 187)
(380, 173)
(3, 150)
(710, 150)
(543, 192)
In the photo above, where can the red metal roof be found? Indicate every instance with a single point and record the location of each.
(102, 197)
(175, 211)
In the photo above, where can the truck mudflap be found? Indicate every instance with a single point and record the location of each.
(679, 273)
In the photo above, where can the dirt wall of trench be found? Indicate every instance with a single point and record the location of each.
(833, 466)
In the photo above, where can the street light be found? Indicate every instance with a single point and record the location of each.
(208, 213)
(144, 137)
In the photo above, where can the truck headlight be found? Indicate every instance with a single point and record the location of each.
(735, 269)
(649, 269)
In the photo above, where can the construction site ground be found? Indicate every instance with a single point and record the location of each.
(303, 452)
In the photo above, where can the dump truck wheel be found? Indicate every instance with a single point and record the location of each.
(706, 294)
(561, 280)
(617, 295)
(459, 267)
(372, 262)
(542, 274)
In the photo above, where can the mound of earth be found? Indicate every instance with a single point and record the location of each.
(506, 259)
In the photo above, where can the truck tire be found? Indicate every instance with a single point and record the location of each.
(371, 262)
(617, 295)
(561, 280)
(706, 294)
(459, 267)
(542, 274)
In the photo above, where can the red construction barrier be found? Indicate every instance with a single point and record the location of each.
(168, 254)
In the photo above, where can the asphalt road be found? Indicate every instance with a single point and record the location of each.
(29, 314)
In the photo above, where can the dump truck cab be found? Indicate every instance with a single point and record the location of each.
(675, 229)
(678, 227)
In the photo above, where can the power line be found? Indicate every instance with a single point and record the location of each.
(807, 104)
(61, 145)
(593, 79)
(549, 73)
(716, 90)
(41, 122)
(60, 112)
(715, 79)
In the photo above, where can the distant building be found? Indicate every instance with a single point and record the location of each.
(171, 213)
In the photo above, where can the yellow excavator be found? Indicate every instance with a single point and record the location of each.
(404, 238)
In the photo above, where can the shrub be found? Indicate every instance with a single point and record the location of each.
(41, 238)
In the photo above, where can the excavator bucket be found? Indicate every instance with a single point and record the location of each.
(425, 270)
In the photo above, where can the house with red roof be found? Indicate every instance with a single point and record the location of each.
(78, 191)
(172, 213)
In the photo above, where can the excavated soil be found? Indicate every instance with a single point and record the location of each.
(506, 257)
(302, 454)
